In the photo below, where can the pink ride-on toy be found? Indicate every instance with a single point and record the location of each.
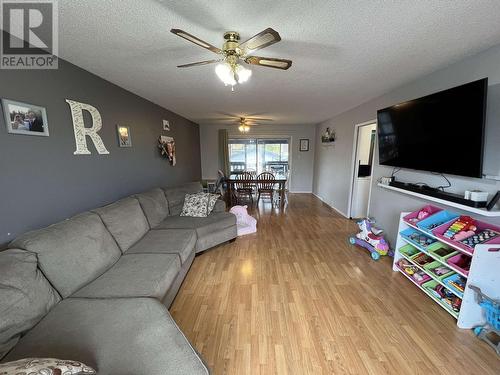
(371, 239)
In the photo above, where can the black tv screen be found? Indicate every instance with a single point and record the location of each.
(441, 132)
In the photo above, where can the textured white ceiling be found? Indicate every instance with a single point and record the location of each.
(343, 52)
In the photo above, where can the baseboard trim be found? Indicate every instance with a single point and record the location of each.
(329, 205)
(301, 191)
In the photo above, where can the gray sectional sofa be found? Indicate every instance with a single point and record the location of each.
(96, 287)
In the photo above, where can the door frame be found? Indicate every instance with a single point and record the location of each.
(354, 164)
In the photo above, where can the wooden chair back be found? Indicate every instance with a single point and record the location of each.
(244, 185)
(265, 181)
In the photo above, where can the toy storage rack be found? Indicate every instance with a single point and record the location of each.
(484, 273)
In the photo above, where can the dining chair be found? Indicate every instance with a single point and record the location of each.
(265, 185)
(244, 189)
(278, 193)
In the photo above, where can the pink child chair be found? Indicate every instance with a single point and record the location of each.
(245, 223)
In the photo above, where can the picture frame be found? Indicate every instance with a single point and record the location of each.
(166, 125)
(328, 136)
(25, 119)
(124, 136)
(303, 144)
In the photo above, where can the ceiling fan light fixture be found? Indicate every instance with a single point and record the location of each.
(244, 128)
(225, 74)
(243, 73)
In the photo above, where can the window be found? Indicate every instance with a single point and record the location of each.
(259, 155)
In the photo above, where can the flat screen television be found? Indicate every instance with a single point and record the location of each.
(441, 132)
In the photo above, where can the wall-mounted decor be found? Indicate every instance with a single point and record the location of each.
(166, 125)
(167, 148)
(24, 118)
(328, 136)
(81, 132)
(304, 145)
(124, 137)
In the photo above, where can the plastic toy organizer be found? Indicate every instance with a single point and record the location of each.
(437, 263)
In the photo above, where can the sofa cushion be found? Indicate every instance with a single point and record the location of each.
(125, 220)
(73, 252)
(122, 336)
(155, 206)
(25, 296)
(135, 275)
(166, 241)
(175, 195)
(203, 225)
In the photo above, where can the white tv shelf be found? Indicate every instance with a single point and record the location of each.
(477, 211)
(483, 273)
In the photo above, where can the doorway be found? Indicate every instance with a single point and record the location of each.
(363, 151)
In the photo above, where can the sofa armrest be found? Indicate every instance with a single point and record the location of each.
(220, 206)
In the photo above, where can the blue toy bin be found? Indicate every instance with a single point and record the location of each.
(407, 235)
(452, 279)
(434, 221)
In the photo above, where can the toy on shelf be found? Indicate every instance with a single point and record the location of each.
(421, 239)
(461, 228)
(416, 274)
(480, 237)
(446, 296)
(371, 239)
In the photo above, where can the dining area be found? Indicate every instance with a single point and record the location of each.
(248, 187)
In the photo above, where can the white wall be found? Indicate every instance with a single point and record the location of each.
(385, 206)
(302, 162)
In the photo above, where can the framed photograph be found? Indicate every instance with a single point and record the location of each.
(328, 136)
(304, 145)
(24, 118)
(124, 137)
(166, 125)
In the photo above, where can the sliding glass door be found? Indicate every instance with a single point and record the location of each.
(259, 155)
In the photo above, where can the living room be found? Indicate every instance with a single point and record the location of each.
(212, 178)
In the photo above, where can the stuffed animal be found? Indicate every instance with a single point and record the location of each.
(245, 223)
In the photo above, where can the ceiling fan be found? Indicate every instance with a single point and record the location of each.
(230, 70)
(244, 123)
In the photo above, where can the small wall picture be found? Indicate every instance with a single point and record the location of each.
(166, 125)
(124, 138)
(167, 148)
(24, 118)
(304, 145)
(328, 136)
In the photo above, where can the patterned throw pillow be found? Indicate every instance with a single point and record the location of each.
(195, 205)
(212, 199)
(45, 366)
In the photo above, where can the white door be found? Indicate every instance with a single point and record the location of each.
(363, 165)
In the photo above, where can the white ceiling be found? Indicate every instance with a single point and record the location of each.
(343, 52)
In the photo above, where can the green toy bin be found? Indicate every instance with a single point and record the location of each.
(409, 251)
(438, 270)
(441, 251)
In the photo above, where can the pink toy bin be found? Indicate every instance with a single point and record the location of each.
(412, 218)
(480, 225)
(457, 259)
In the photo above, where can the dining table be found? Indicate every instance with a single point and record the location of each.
(232, 180)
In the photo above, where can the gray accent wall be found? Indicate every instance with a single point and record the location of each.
(42, 182)
(332, 177)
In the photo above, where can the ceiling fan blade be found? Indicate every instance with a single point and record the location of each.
(269, 62)
(261, 40)
(258, 119)
(198, 63)
(195, 40)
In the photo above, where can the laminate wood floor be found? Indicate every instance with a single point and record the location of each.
(296, 298)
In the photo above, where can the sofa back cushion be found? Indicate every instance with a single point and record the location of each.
(25, 296)
(155, 206)
(125, 220)
(175, 195)
(72, 253)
